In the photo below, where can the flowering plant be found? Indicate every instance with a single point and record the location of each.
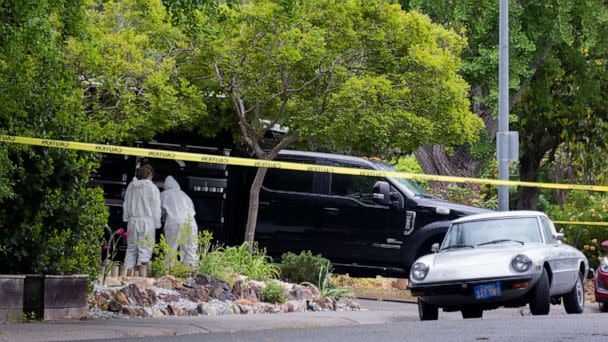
(110, 248)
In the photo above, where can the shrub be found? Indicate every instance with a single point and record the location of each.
(327, 288)
(468, 196)
(303, 267)
(166, 261)
(273, 293)
(227, 262)
(583, 206)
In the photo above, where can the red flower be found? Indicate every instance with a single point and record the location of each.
(106, 247)
(126, 234)
(121, 231)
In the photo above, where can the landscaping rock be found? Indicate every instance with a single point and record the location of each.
(133, 294)
(114, 306)
(168, 282)
(296, 306)
(326, 303)
(299, 292)
(206, 309)
(190, 282)
(142, 283)
(175, 310)
(122, 298)
(218, 289)
(313, 289)
(197, 294)
(237, 289)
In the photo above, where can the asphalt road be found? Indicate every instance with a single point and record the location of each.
(497, 325)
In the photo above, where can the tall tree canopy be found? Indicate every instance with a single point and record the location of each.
(360, 74)
(84, 71)
(557, 79)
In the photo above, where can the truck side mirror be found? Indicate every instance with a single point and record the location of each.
(382, 193)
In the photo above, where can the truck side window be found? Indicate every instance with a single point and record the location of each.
(289, 180)
(359, 187)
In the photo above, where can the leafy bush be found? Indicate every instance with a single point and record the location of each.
(583, 206)
(303, 267)
(166, 261)
(328, 288)
(468, 196)
(273, 293)
(227, 262)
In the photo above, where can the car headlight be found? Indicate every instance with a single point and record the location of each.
(419, 271)
(521, 263)
(604, 267)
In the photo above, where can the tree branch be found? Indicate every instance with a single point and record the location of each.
(538, 62)
(283, 144)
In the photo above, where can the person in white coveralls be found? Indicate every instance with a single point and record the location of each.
(142, 212)
(179, 212)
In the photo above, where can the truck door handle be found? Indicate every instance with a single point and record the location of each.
(332, 211)
(264, 204)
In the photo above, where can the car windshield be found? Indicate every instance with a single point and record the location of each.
(406, 183)
(491, 232)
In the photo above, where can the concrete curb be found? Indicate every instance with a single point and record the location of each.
(130, 328)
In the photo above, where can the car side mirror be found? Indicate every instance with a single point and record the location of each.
(435, 247)
(558, 236)
(382, 193)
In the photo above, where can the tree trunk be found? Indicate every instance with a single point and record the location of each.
(435, 160)
(529, 163)
(254, 203)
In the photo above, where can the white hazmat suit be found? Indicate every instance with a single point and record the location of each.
(178, 208)
(141, 211)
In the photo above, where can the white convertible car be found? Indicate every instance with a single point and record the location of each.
(499, 259)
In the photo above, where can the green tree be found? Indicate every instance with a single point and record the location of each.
(85, 71)
(50, 220)
(359, 74)
(557, 79)
(127, 61)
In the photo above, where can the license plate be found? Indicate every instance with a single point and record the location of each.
(486, 291)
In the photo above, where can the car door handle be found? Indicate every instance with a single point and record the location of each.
(332, 211)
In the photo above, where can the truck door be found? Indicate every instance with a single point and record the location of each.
(355, 228)
(289, 212)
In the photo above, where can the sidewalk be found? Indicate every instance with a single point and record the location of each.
(375, 313)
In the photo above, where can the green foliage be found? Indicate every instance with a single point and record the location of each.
(127, 63)
(468, 196)
(583, 206)
(303, 267)
(227, 262)
(359, 74)
(408, 164)
(558, 53)
(273, 293)
(166, 261)
(327, 287)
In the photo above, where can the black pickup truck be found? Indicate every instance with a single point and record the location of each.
(362, 224)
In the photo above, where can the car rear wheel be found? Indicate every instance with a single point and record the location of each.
(603, 307)
(427, 312)
(574, 301)
(540, 302)
(471, 313)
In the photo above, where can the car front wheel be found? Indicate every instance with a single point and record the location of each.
(574, 301)
(540, 302)
(427, 312)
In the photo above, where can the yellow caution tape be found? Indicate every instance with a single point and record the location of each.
(214, 159)
(582, 223)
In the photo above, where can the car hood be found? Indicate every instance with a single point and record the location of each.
(476, 263)
(463, 209)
